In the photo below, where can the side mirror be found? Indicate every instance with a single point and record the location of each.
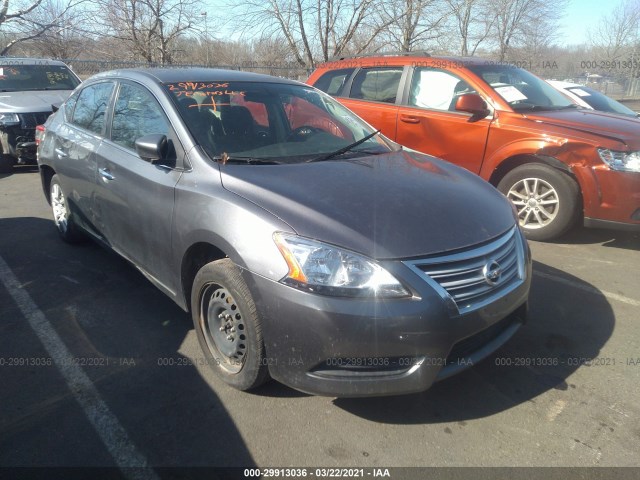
(474, 104)
(153, 147)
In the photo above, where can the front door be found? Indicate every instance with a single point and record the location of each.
(429, 123)
(135, 198)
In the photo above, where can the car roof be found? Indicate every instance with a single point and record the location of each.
(29, 61)
(409, 57)
(164, 75)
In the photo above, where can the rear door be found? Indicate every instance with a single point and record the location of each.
(134, 199)
(373, 93)
(75, 144)
(428, 121)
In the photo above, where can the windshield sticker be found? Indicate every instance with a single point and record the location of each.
(204, 91)
(510, 93)
(57, 77)
(580, 92)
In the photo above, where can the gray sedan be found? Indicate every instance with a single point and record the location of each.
(307, 247)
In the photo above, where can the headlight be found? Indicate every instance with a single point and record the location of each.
(9, 119)
(328, 270)
(621, 161)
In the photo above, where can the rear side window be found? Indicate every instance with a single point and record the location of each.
(137, 113)
(91, 107)
(377, 84)
(332, 82)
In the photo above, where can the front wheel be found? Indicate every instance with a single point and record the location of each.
(227, 325)
(546, 199)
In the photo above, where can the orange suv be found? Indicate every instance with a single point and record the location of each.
(556, 162)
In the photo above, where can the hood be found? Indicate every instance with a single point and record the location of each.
(32, 101)
(611, 125)
(398, 205)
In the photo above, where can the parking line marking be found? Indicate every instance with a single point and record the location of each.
(132, 463)
(589, 289)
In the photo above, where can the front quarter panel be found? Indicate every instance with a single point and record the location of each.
(207, 213)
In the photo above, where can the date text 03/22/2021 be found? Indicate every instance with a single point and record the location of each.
(316, 472)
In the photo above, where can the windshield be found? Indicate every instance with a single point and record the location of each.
(20, 78)
(273, 122)
(599, 101)
(522, 90)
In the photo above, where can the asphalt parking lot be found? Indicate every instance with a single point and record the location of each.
(563, 392)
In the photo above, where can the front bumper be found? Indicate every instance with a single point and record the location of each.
(614, 199)
(20, 144)
(350, 347)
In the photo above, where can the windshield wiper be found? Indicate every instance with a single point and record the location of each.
(527, 107)
(571, 106)
(225, 158)
(328, 156)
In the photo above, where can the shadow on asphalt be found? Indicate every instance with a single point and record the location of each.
(103, 310)
(607, 238)
(19, 169)
(566, 327)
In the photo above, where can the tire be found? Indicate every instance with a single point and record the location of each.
(547, 200)
(227, 325)
(6, 163)
(62, 216)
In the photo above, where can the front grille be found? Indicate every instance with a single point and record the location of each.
(466, 277)
(31, 120)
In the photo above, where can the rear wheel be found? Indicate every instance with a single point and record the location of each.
(547, 200)
(228, 326)
(62, 217)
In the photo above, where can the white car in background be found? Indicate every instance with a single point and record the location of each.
(592, 99)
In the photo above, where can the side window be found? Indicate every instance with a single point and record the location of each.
(91, 107)
(137, 113)
(436, 89)
(377, 84)
(333, 81)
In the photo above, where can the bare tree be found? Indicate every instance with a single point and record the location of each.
(149, 27)
(313, 30)
(616, 40)
(472, 21)
(412, 24)
(69, 38)
(514, 18)
(21, 21)
(618, 31)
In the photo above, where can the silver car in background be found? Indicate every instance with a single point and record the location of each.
(591, 99)
(29, 90)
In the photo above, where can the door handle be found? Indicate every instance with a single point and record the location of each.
(106, 174)
(409, 119)
(61, 153)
